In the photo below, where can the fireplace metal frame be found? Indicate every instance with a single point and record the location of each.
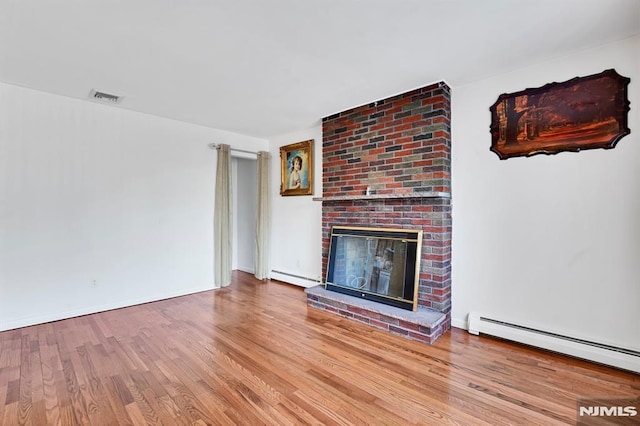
(413, 239)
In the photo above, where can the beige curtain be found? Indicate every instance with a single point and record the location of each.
(263, 220)
(222, 219)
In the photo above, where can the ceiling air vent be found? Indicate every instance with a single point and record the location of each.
(104, 97)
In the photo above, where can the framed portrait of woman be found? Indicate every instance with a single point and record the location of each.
(296, 168)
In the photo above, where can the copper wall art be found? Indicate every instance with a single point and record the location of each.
(581, 113)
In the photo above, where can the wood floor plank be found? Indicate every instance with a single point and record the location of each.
(253, 353)
(26, 386)
(49, 364)
(11, 414)
(98, 407)
(118, 407)
(3, 389)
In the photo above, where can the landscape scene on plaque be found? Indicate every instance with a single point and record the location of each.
(582, 113)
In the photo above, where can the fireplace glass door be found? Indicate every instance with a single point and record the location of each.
(375, 263)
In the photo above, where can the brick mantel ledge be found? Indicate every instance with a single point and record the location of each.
(446, 195)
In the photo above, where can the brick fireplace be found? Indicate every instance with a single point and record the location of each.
(387, 164)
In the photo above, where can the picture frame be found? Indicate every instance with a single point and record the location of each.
(296, 168)
(582, 113)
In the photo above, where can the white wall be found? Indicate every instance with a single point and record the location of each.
(548, 241)
(100, 207)
(296, 225)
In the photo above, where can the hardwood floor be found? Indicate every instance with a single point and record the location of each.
(254, 354)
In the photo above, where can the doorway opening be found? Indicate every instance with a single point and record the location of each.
(245, 182)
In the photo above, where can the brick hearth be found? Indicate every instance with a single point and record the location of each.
(398, 148)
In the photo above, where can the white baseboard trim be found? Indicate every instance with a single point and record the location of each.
(57, 316)
(459, 323)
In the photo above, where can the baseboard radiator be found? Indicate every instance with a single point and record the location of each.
(624, 358)
(295, 279)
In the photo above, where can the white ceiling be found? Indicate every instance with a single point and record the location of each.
(266, 67)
